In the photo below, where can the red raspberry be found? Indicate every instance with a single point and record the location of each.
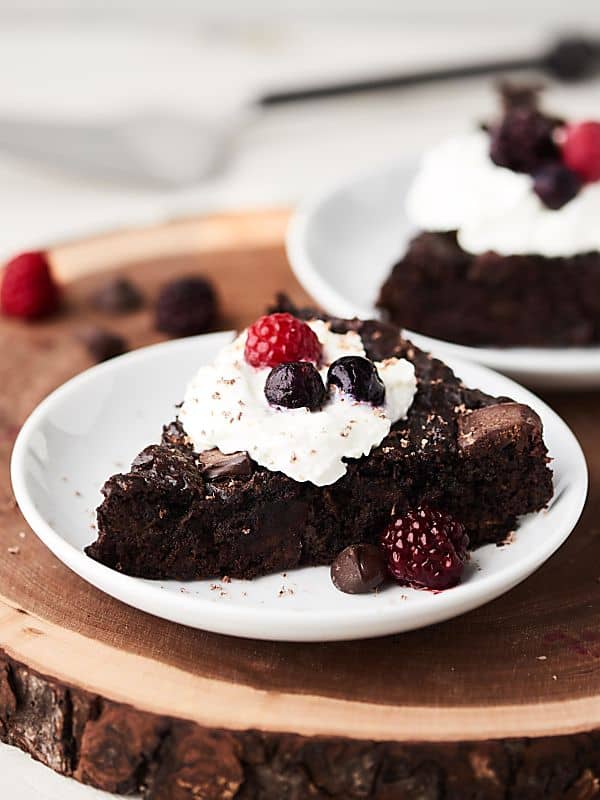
(426, 548)
(28, 288)
(581, 149)
(278, 338)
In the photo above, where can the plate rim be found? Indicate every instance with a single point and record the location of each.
(130, 590)
(541, 361)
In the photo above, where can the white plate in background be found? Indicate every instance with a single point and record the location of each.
(342, 246)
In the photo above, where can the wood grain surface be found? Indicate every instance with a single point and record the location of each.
(503, 698)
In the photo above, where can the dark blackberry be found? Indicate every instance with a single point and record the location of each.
(358, 377)
(186, 306)
(555, 185)
(296, 384)
(523, 140)
(426, 548)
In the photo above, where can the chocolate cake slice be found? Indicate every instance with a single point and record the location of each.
(186, 515)
(487, 299)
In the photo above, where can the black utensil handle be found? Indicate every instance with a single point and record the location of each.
(281, 97)
(570, 58)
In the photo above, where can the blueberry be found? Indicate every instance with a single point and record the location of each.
(358, 377)
(295, 384)
(555, 185)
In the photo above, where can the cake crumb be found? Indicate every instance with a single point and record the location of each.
(226, 579)
(22, 534)
(542, 658)
(14, 551)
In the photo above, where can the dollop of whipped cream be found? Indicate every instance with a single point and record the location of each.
(225, 407)
(458, 187)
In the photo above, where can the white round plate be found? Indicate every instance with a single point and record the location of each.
(95, 424)
(342, 246)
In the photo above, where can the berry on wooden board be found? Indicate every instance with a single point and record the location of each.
(28, 289)
(186, 306)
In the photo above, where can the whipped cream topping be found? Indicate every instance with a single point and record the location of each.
(225, 407)
(458, 187)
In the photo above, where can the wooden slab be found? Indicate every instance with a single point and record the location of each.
(503, 702)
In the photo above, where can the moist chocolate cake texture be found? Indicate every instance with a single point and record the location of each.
(185, 515)
(439, 289)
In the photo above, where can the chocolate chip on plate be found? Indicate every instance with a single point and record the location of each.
(358, 569)
(102, 344)
(117, 296)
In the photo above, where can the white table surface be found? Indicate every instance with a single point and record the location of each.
(87, 71)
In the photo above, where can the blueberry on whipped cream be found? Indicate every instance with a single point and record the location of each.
(358, 377)
(297, 384)
(237, 406)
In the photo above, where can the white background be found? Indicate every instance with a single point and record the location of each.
(84, 60)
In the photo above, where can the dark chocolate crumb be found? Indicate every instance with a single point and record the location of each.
(117, 296)
(102, 344)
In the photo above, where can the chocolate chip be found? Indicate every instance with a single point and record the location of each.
(497, 426)
(102, 344)
(358, 569)
(117, 296)
(219, 466)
